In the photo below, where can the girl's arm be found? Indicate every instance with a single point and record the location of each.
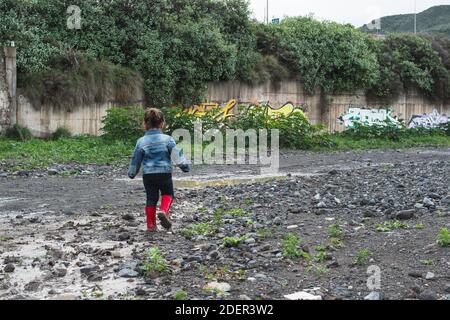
(177, 156)
(136, 162)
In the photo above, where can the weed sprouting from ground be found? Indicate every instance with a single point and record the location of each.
(362, 256)
(389, 226)
(155, 262)
(335, 231)
(443, 238)
(230, 242)
(290, 247)
(180, 295)
(202, 228)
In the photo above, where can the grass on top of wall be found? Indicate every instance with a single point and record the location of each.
(39, 153)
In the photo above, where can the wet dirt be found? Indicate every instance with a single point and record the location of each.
(71, 237)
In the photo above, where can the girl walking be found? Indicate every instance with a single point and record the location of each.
(154, 152)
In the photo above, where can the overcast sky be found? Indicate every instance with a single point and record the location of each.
(356, 12)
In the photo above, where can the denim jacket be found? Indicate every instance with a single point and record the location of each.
(155, 152)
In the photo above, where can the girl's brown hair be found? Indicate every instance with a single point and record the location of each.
(153, 119)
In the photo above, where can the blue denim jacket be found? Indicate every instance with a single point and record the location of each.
(155, 152)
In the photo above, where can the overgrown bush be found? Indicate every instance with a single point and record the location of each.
(18, 132)
(391, 131)
(388, 130)
(123, 123)
(176, 118)
(295, 130)
(178, 46)
(445, 128)
(410, 61)
(61, 133)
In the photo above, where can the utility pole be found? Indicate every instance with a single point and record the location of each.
(415, 16)
(267, 12)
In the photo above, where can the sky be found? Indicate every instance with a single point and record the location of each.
(356, 12)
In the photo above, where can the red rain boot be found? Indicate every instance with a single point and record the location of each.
(151, 219)
(166, 203)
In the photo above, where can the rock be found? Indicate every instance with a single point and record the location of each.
(124, 236)
(52, 172)
(250, 241)
(333, 172)
(333, 264)
(220, 287)
(140, 291)
(427, 295)
(94, 277)
(414, 274)
(244, 297)
(214, 254)
(302, 296)
(374, 296)
(419, 206)
(292, 227)
(55, 253)
(405, 215)
(89, 269)
(447, 288)
(342, 292)
(427, 202)
(430, 276)
(128, 273)
(9, 268)
(33, 286)
(277, 221)
(11, 259)
(321, 205)
(60, 272)
(128, 217)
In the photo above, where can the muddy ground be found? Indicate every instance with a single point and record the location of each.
(66, 236)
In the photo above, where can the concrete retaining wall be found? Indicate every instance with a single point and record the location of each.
(8, 82)
(320, 109)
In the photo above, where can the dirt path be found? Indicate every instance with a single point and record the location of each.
(82, 237)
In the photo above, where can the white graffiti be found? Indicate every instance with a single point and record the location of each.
(368, 117)
(432, 120)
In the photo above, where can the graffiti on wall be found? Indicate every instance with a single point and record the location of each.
(432, 120)
(367, 117)
(230, 109)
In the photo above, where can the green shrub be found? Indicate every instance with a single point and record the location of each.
(230, 242)
(387, 130)
(176, 118)
(291, 247)
(362, 256)
(445, 128)
(154, 262)
(18, 132)
(61, 133)
(123, 123)
(295, 131)
(443, 238)
(180, 295)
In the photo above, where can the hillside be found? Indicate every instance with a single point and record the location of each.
(435, 20)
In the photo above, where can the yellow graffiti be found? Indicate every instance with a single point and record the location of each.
(286, 110)
(224, 112)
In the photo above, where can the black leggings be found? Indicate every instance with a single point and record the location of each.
(156, 183)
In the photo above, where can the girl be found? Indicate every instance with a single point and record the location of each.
(154, 152)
